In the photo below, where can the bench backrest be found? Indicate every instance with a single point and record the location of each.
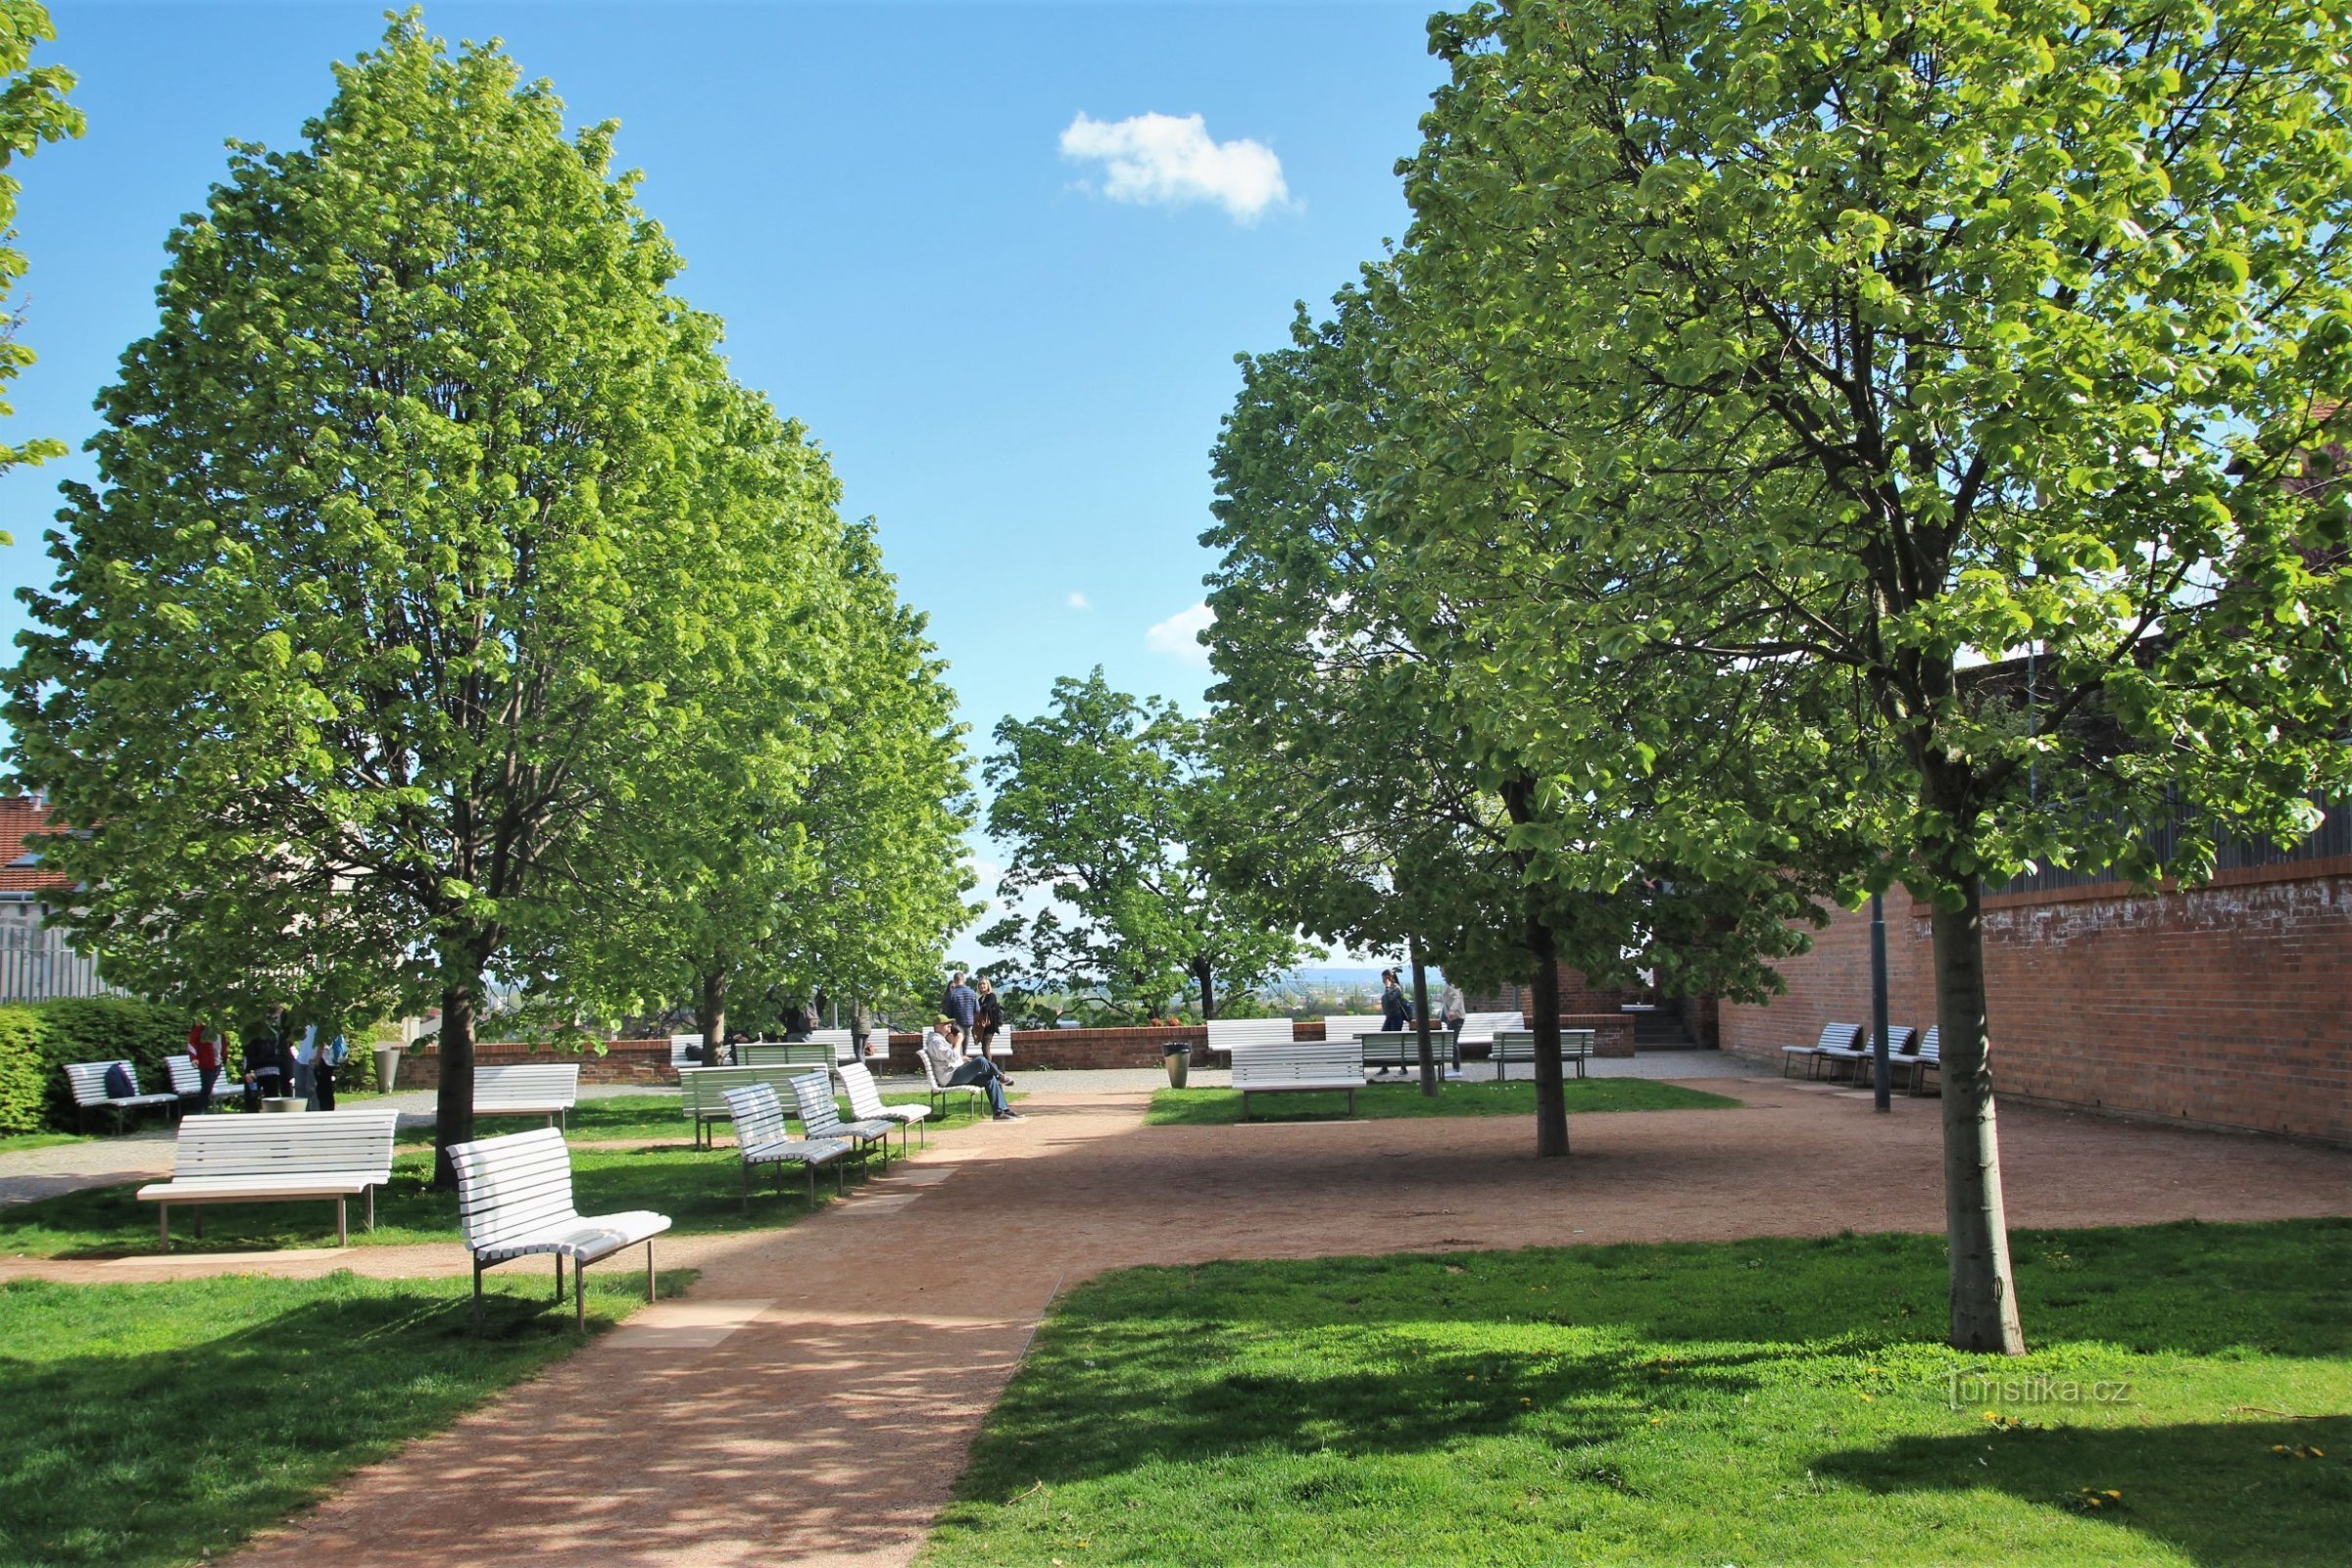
(679, 1046)
(1300, 1061)
(1519, 1045)
(319, 1143)
(702, 1090)
(89, 1080)
(527, 1084)
(508, 1187)
(865, 1096)
(758, 1114)
(1840, 1037)
(1482, 1025)
(783, 1052)
(837, 1042)
(1351, 1026)
(1226, 1033)
(820, 1116)
(185, 1079)
(1404, 1045)
(1930, 1045)
(1002, 1044)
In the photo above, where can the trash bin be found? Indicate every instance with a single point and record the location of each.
(284, 1103)
(387, 1067)
(1180, 1064)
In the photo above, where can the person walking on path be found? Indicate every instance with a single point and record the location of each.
(943, 1048)
(207, 1050)
(991, 1018)
(1394, 1010)
(962, 1005)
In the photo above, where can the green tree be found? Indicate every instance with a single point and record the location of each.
(1809, 352)
(396, 551)
(1100, 800)
(32, 110)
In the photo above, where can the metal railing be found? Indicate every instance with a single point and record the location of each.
(38, 965)
(2333, 837)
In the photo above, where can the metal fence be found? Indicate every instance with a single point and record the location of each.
(2333, 837)
(36, 965)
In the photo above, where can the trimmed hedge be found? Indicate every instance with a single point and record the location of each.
(24, 1082)
(105, 1029)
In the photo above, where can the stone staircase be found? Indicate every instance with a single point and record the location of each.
(1660, 1030)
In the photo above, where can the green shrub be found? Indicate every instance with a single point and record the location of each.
(24, 1071)
(105, 1029)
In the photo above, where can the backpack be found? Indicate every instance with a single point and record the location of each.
(117, 1082)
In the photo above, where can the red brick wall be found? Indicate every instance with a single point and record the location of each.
(2225, 1006)
(622, 1061)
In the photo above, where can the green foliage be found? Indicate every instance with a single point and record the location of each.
(1221, 1107)
(107, 1029)
(222, 1405)
(1773, 1400)
(24, 1071)
(1100, 800)
(32, 110)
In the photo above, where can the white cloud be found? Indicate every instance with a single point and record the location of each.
(1079, 601)
(1180, 634)
(1168, 161)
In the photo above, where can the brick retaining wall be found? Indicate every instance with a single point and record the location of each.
(2224, 1006)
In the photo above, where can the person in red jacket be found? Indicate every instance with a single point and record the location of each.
(205, 1047)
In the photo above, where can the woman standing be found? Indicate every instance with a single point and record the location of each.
(991, 1018)
(331, 1056)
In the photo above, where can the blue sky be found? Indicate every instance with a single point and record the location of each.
(1016, 357)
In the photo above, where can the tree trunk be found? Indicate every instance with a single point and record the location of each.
(1429, 1059)
(1544, 1017)
(711, 1009)
(1975, 1229)
(1207, 975)
(453, 1103)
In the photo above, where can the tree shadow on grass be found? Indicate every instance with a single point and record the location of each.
(2219, 1492)
(154, 1458)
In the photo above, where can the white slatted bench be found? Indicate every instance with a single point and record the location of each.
(702, 1090)
(1836, 1037)
(87, 1080)
(802, 1054)
(1929, 1059)
(763, 1138)
(841, 1045)
(340, 1154)
(1401, 1049)
(1354, 1026)
(187, 1080)
(1303, 1066)
(941, 1088)
(1519, 1045)
(865, 1102)
(1226, 1034)
(1477, 1028)
(514, 1201)
(1858, 1057)
(527, 1089)
(821, 1118)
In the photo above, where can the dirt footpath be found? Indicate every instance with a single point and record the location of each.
(813, 1398)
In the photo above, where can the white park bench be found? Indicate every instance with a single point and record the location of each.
(187, 1080)
(702, 1090)
(802, 1054)
(763, 1138)
(1303, 1066)
(87, 1080)
(1477, 1028)
(1859, 1057)
(865, 1102)
(1837, 1040)
(941, 1088)
(820, 1117)
(514, 1201)
(1401, 1049)
(548, 1089)
(682, 1048)
(1354, 1026)
(340, 1154)
(1928, 1058)
(1519, 1045)
(1224, 1034)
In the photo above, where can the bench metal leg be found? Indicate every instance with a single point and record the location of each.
(747, 1184)
(163, 1216)
(198, 1217)
(477, 1295)
(342, 1222)
(372, 1208)
(649, 1269)
(580, 1295)
(560, 1279)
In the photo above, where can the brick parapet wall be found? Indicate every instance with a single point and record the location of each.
(2223, 1006)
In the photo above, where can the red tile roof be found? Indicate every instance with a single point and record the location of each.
(22, 815)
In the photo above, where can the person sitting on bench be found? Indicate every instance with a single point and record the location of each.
(943, 1048)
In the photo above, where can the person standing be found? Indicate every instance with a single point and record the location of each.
(304, 1079)
(1453, 1010)
(206, 1050)
(331, 1056)
(265, 1070)
(1395, 1012)
(991, 1018)
(962, 1006)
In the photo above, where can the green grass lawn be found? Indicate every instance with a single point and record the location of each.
(155, 1423)
(1755, 1403)
(14, 1142)
(1217, 1107)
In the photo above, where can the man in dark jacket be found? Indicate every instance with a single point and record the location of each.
(268, 1053)
(963, 1005)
